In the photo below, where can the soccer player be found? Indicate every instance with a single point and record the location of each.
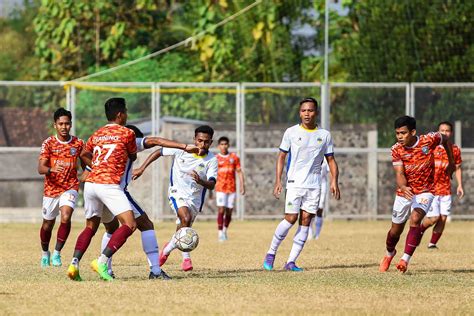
(441, 206)
(412, 159)
(144, 224)
(58, 162)
(307, 146)
(317, 221)
(228, 166)
(191, 176)
(106, 152)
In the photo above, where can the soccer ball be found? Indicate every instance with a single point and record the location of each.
(186, 239)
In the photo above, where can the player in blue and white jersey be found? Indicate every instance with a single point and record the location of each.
(306, 146)
(191, 176)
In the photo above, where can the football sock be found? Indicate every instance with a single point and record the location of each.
(298, 243)
(63, 232)
(82, 243)
(105, 241)
(45, 237)
(312, 230)
(391, 243)
(103, 259)
(224, 229)
(150, 247)
(406, 257)
(435, 237)
(227, 220)
(413, 240)
(56, 252)
(220, 220)
(170, 246)
(280, 233)
(119, 237)
(319, 225)
(186, 255)
(45, 253)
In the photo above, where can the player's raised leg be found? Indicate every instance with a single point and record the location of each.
(280, 234)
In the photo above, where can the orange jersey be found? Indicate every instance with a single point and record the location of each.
(442, 180)
(64, 154)
(418, 162)
(226, 167)
(110, 146)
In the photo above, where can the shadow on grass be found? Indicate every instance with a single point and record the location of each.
(445, 270)
(343, 266)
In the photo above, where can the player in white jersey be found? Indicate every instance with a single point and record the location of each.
(317, 221)
(191, 176)
(306, 146)
(144, 224)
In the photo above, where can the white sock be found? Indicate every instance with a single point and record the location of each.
(390, 253)
(319, 226)
(280, 233)
(170, 246)
(312, 231)
(406, 257)
(150, 247)
(75, 262)
(103, 259)
(186, 255)
(298, 243)
(220, 233)
(56, 253)
(46, 253)
(105, 240)
(224, 229)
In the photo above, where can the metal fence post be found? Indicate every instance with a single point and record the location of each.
(72, 104)
(372, 174)
(156, 181)
(242, 142)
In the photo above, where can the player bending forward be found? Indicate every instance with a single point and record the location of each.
(144, 224)
(307, 146)
(441, 206)
(191, 176)
(317, 221)
(412, 158)
(58, 162)
(107, 152)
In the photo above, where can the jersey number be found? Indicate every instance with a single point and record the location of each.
(98, 153)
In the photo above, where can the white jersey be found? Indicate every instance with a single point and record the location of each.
(127, 176)
(306, 150)
(181, 182)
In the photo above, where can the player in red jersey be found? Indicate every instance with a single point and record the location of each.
(107, 152)
(58, 162)
(228, 166)
(441, 206)
(412, 159)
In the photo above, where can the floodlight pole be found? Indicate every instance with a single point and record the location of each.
(325, 86)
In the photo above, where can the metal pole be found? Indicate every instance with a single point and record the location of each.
(326, 41)
(412, 111)
(72, 104)
(408, 97)
(242, 143)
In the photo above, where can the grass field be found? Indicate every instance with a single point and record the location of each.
(340, 275)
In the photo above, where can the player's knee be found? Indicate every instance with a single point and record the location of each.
(47, 225)
(144, 225)
(291, 218)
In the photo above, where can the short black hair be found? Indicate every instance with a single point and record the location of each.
(61, 112)
(407, 121)
(205, 129)
(223, 139)
(113, 107)
(312, 100)
(446, 123)
(136, 130)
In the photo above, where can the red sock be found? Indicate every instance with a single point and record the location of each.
(45, 237)
(227, 219)
(119, 237)
(220, 220)
(391, 242)
(413, 240)
(83, 242)
(63, 232)
(435, 237)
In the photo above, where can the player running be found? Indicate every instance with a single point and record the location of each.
(441, 206)
(144, 224)
(191, 176)
(317, 221)
(306, 145)
(228, 166)
(107, 152)
(58, 162)
(412, 158)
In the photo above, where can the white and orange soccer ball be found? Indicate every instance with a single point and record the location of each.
(186, 239)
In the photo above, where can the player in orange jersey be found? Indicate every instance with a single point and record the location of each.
(58, 162)
(228, 166)
(413, 161)
(441, 206)
(106, 153)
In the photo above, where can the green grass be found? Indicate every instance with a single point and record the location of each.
(341, 275)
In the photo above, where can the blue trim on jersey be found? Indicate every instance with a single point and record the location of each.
(131, 200)
(329, 155)
(285, 151)
(174, 204)
(171, 172)
(212, 178)
(126, 174)
(288, 163)
(203, 197)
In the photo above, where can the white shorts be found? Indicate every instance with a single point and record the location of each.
(177, 201)
(225, 199)
(302, 199)
(441, 206)
(96, 195)
(107, 216)
(51, 205)
(324, 192)
(402, 207)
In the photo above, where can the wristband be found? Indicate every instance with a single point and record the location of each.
(49, 171)
(88, 168)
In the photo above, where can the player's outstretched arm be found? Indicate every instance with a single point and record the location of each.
(334, 170)
(136, 173)
(279, 171)
(449, 150)
(163, 142)
(402, 181)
